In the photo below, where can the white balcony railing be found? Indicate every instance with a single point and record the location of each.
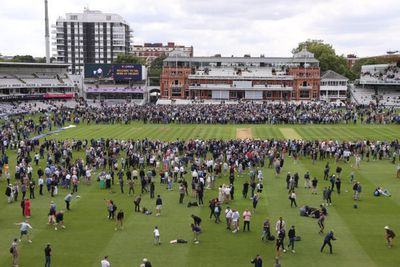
(240, 88)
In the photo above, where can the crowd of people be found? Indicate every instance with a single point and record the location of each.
(192, 166)
(254, 113)
(391, 73)
(271, 113)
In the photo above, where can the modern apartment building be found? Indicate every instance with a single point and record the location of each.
(89, 37)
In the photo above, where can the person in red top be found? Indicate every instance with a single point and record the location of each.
(27, 208)
(246, 219)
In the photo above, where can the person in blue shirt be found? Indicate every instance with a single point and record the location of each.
(327, 241)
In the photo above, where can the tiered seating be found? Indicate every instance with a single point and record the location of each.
(363, 95)
(164, 102)
(389, 97)
(10, 82)
(41, 81)
(382, 73)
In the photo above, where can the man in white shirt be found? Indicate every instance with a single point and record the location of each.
(105, 262)
(156, 236)
(41, 183)
(228, 217)
(280, 224)
(235, 220)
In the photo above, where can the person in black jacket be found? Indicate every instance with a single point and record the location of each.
(292, 235)
(158, 205)
(47, 254)
(327, 241)
(257, 261)
(196, 220)
(245, 189)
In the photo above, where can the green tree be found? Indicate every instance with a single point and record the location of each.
(23, 58)
(155, 70)
(128, 58)
(157, 63)
(327, 57)
(40, 60)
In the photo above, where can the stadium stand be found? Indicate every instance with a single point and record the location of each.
(380, 73)
(362, 96)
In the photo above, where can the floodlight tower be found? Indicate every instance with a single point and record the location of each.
(47, 35)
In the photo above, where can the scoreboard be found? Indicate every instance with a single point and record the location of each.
(117, 72)
(132, 72)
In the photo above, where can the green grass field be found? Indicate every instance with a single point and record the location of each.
(204, 131)
(90, 235)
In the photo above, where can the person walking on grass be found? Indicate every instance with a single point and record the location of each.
(292, 236)
(24, 230)
(245, 189)
(217, 212)
(389, 235)
(120, 220)
(47, 255)
(314, 184)
(325, 193)
(327, 241)
(357, 190)
(27, 208)
(137, 201)
(281, 237)
(158, 205)
(278, 246)
(235, 220)
(111, 208)
(266, 230)
(321, 222)
(255, 199)
(14, 252)
(131, 186)
(228, 217)
(156, 233)
(292, 197)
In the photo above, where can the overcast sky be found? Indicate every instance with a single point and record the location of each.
(227, 27)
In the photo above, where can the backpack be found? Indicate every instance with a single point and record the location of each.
(271, 238)
(11, 249)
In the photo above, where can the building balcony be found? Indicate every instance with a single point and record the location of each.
(308, 87)
(241, 78)
(333, 88)
(240, 88)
